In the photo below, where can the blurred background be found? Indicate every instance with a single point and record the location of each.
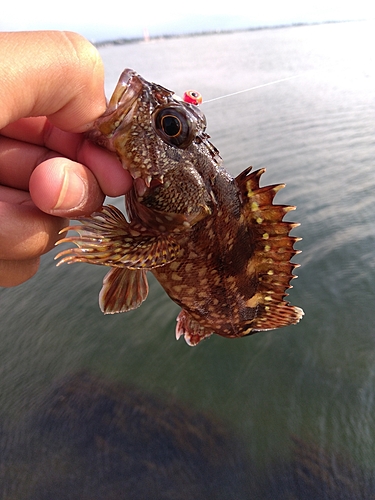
(97, 406)
(120, 19)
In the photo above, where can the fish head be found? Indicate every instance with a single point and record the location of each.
(150, 128)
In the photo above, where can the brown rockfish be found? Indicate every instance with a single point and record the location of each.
(218, 245)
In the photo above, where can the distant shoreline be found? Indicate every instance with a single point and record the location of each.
(124, 41)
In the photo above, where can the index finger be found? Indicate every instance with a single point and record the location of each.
(51, 73)
(44, 140)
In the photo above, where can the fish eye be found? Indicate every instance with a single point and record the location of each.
(173, 126)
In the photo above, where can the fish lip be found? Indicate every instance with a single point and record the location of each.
(118, 114)
(129, 80)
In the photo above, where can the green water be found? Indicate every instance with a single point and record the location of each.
(316, 133)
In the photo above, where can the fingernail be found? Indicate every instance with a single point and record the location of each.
(73, 191)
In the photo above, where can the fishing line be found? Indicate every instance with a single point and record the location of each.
(253, 88)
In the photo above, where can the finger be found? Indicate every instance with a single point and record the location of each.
(18, 160)
(13, 273)
(61, 187)
(26, 232)
(111, 174)
(51, 73)
(15, 196)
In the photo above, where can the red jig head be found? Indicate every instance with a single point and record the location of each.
(193, 97)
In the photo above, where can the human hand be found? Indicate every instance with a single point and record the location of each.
(51, 88)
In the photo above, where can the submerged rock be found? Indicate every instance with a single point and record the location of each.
(94, 439)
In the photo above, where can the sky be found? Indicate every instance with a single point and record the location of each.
(99, 21)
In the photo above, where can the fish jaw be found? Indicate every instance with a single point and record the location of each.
(118, 117)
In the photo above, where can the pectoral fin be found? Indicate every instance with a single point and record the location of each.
(108, 239)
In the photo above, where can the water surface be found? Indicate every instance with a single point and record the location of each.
(312, 382)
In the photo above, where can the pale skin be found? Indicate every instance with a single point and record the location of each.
(51, 91)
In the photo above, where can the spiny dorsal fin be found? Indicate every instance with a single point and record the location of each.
(274, 248)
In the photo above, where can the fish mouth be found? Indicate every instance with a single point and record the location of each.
(129, 87)
(119, 113)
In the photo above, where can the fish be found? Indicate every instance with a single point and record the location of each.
(218, 245)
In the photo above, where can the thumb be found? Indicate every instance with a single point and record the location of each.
(65, 188)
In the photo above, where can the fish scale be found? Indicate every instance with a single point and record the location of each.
(219, 246)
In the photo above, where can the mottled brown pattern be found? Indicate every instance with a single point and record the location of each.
(218, 245)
